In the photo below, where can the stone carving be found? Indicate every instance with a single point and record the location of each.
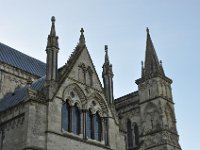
(74, 94)
(100, 100)
(170, 118)
(151, 119)
(85, 74)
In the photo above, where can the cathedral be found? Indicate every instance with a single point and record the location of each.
(43, 107)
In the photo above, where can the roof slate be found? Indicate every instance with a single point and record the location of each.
(20, 94)
(22, 61)
(13, 99)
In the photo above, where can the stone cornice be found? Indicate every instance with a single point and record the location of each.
(155, 98)
(80, 139)
(143, 79)
(18, 72)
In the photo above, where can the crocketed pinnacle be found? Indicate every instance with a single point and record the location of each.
(82, 38)
(106, 55)
(52, 38)
(107, 67)
(152, 66)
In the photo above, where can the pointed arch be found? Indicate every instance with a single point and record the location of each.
(170, 116)
(103, 109)
(150, 107)
(65, 116)
(89, 124)
(169, 110)
(151, 118)
(75, 119)
(136, 134)
(97, 127)
(75, 94)
(129, 134)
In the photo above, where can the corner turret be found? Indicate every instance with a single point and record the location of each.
(52, 49)
(108, 78)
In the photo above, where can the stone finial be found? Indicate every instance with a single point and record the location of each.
(52, 38)
(82, 30)
(106, 48)
(147, 30)
(82, 37)
(53, 19)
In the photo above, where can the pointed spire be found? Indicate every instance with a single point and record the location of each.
(106, 55)
(107, 76)
(82, 38)
(53, 31)
(107, 67)
(52, 38)
(152, 65)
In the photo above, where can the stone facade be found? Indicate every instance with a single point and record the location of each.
(32, 115)
(12, 78)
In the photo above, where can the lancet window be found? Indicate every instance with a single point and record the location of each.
(71, 118)
(93, 126)
(129, 135)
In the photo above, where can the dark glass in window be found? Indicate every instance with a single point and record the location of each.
(136, 132)
(97, 127)
(65, 116)
(129, 135)
(75, 120)
(88, 124)
(106, 131)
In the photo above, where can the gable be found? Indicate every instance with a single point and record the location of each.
(80, 68)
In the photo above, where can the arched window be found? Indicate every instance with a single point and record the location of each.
(93, 126)
(129, 135)
(106, 130)
(65, 116)
(89, 124)
(75, 120)
(97, 127)
(136, 132)
(1, 139)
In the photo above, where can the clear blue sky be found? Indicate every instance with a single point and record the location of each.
(174, 27)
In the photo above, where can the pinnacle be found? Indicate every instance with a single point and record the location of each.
(82, 38)
(52, 38)
(106, 55)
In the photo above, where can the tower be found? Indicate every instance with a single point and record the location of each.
(158, 123)
(108, 78)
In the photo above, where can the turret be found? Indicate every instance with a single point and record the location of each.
(108, 78)
(158, 120)
(52, 49)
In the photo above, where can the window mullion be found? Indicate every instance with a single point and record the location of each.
(70, 118)
(92, 126)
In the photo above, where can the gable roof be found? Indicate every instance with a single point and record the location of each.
(22, 61)
(21, 94)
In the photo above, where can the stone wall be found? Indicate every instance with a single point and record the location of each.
(128, 110)
(13, 126)
(12, 78)
(37, 125)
